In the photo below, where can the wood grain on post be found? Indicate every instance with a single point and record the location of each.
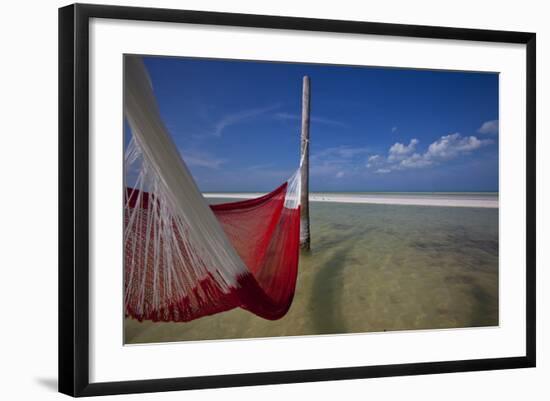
(305, 239)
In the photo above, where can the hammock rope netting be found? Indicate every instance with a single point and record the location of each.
(185, 259)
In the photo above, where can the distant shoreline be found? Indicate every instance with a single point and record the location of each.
(413, 199)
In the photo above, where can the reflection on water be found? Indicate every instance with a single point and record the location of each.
(373, 268)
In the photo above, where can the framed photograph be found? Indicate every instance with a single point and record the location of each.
(251, 199)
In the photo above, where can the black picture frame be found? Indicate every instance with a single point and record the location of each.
(74, 198)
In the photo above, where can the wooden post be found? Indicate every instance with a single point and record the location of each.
(304, 146)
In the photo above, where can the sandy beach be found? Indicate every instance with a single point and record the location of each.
(412, 199)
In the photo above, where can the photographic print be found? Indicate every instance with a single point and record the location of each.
(267, 199)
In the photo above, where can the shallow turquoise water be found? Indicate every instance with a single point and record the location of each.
(373, 268)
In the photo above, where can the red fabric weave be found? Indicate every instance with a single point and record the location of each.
(264, 233)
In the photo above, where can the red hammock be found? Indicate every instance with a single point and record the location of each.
(265, 235)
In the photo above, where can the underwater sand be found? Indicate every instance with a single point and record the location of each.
(373, 268)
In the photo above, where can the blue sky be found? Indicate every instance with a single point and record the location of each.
(237, 125)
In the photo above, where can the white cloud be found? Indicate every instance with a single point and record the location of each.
(393, 129)
(316, 119)
(415, 161)
(235, 118)
(452, 145)
(489, 127)
(348, 153)
(346, 161)
(201, 159)
(339, 152)
(401, 157)
(331, 161)
(374, 160)
(399, 151)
